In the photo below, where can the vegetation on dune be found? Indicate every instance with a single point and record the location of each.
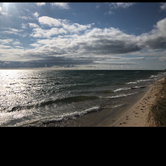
(157, 114)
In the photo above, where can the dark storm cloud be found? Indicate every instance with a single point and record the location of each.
(103, 46)
(48, 61)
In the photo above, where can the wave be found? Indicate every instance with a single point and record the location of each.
(121, 89)
(72, 115)
(131, 83)
(45, 103)
(138, 81)
(59, 118)
(119, 96)
(145, 80)
(152, 76)
(137, 87)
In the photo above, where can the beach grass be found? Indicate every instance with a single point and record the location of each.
(157, 114)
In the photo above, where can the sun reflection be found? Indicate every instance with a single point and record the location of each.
(9, 73)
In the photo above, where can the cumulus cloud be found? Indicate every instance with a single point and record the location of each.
(36, 14)
(66, 25)
(61, 5)
(107, 41)
(40, 33)
(33, 25)
(156, 39)
(49, 21)
(64, 46)
(95, 44)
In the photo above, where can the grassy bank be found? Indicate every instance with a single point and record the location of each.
(157, 114)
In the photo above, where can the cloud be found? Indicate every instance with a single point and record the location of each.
(120, 5)
(26, 18)
(95, 44)
(33, 25)
(49, 21)
(162, 58)
(24, 26)
(61, 5)
(109, 12)
(13, 31)
(65, 46)
(36, 14)
(6, 41)
(40, 4)
(163, 6)
(75, 28)
(4, 47)
(16, 42)
(107, 41)
(117, 63)
(48, 61)
(40, 33)
(155, 39)
(0, 9)
(65, 24)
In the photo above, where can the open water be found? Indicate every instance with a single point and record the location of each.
(43, 96)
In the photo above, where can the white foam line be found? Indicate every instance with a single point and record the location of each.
(120, 89)
(60, 117)
(131, 83)
(121, 95)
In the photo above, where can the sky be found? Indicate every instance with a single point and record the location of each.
(109, 36)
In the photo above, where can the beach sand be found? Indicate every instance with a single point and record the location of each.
(136, 115)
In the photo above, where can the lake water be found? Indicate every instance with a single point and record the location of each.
(43, 96)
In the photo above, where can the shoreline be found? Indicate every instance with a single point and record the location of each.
(133, 114)
(136, 114)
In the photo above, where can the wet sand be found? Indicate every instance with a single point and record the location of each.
(136, 115)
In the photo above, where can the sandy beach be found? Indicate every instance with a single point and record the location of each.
(136, 115)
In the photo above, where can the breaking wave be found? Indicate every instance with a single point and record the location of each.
(60, 118)
(120, 96)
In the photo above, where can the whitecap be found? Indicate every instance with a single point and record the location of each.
(120, 95)
(120, 89)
